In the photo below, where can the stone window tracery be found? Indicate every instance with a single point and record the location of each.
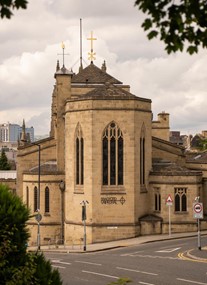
(113, 152)
(180, 199)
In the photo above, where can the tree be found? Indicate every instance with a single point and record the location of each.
(6, 7)
(177, 22)
(17, 266)
(4, 164)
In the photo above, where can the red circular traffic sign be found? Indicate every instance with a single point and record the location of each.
(198, 208)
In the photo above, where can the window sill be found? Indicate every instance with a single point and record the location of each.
(47, 214)
(109, 189)
(79, 189)
(143, 189)
(181, 213)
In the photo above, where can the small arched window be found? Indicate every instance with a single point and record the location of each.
(47, 200)
(27, 197)
(35, 199)
(113, 152)
(180, 199)
(79, 159)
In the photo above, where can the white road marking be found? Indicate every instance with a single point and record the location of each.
(168, 250)
(144, 283)
(57, 266)
(144, 272)
(60, 262)
(100, 274)
(98, 264)
(129, 254)
(191, 281)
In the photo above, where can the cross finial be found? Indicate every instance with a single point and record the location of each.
(91, 55)
(63, 54)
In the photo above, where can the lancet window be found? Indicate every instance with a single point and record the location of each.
(142, 156)
(35, 199)
(47, 200)
(79, 150)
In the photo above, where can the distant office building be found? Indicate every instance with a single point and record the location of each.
(12, 133)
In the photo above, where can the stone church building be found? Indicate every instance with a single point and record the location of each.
(104, 148)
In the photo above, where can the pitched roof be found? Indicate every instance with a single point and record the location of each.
(108, 90)
(93, 75)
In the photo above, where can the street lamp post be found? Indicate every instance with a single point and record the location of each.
(84, 202)
(39, 217)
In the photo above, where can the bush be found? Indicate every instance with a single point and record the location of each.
(17, 266)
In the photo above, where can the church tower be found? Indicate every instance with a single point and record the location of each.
(62, 92)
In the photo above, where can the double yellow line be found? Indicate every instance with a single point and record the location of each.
(184, 256)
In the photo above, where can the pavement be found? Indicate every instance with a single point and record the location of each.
(192, 254)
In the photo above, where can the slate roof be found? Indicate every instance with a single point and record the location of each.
(198, 158)
(164, 167)
(108, 90)
(47, 167)
(93, 75)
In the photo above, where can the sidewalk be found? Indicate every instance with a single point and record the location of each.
(194, 253)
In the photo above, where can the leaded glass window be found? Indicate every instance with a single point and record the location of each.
(113, 152)
(79, 150)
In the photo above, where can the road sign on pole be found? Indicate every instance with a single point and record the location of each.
(169, 202)
(198, 210)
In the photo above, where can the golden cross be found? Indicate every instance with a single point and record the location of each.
(91, 54)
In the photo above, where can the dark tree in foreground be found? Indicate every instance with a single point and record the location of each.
(4, 164)
(177, 22)
(17, 266)
(6, 7)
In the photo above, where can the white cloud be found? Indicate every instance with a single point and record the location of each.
(30, 44)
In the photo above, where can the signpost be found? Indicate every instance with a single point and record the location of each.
(169, 203)
(38, 218)
(198, 214)
(84, 202)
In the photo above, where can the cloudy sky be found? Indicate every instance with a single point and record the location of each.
(31, 42)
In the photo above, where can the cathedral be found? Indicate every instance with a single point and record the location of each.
(107, 167)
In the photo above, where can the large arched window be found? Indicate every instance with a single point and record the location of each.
(47, 200)
(142, 156)
(35, 199)
(113, 152)
(79, 150)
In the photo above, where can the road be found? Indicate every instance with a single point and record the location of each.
(157, 263)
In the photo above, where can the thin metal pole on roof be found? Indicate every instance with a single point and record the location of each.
(81, 55)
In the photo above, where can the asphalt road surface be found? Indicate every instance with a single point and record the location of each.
(157, 263)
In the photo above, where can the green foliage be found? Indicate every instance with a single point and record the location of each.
(203, 144)
(177, 22)
(17, 266)
(121, 281)
(44, 273)
(4, 164)
(6, 7)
